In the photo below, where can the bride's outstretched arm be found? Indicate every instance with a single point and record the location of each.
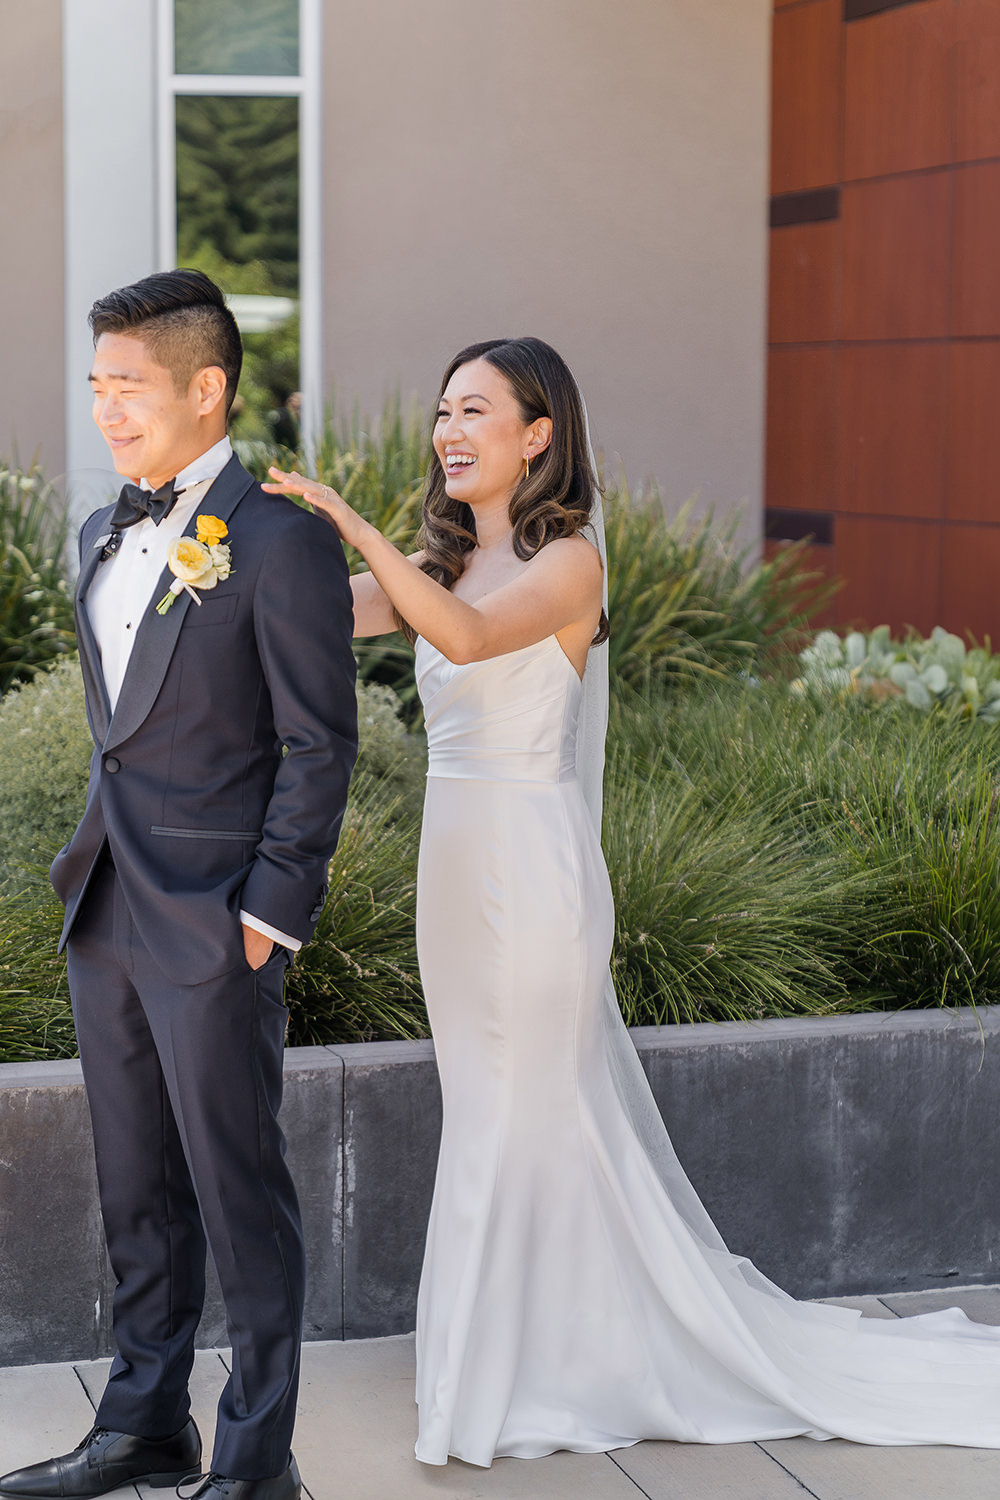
(373, 611)
(561, 586)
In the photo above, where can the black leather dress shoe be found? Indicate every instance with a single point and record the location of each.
(104, 1461)
(287, 1486)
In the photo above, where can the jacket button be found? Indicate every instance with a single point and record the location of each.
(112, 764)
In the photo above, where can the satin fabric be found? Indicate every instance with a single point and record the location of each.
(575, 1294)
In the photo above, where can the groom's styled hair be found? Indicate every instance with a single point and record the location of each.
(182, 318)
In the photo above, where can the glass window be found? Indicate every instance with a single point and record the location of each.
(249, 37)
(238, 221)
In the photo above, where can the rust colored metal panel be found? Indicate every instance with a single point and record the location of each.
(801, 424)
(977, 96)
(891, 429)
(806, 97)
(897, 235)
(970, 599)
(976, 293)
(973, 478)
(891, 571)
(898, 90)
(976, 19)
(805, 283)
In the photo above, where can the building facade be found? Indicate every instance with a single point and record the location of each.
(883, 442)
(595, 174)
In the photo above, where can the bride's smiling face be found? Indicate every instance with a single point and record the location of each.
(480, 436)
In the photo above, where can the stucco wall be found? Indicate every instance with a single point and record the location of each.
(593, 173)
(31, 254)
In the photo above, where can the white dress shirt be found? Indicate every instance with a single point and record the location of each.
(123, 588)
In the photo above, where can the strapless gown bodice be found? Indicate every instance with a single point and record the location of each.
(512, 718)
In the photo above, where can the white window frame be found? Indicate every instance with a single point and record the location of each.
(304, 86)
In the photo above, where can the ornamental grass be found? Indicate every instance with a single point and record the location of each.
(772, 851)
(36, 610)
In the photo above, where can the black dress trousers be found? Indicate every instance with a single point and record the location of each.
(184, 1084)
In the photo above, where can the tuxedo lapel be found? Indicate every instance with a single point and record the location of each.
(157, 635)
(98, 703)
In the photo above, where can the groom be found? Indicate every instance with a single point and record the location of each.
(225, 733)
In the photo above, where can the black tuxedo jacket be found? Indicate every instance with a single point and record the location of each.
(220, 780)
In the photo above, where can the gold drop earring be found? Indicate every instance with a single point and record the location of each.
(527, 465)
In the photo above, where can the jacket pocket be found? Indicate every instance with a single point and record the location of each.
(211, 611)
(252, 836)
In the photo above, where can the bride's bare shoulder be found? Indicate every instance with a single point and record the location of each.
(573, 553)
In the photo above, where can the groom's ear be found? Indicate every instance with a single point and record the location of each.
(208, 387)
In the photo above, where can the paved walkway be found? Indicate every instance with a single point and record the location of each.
(356, 1426)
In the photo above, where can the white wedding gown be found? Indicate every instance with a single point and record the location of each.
(575, 1293)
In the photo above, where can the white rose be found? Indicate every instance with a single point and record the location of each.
(191, 562)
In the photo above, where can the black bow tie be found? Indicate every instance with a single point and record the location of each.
(135, 504)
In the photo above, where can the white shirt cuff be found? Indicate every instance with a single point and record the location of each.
(292, 944)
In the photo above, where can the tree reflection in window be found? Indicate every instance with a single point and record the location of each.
(243, 37)
(238, 220)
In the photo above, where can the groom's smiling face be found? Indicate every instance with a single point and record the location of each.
(153, 428)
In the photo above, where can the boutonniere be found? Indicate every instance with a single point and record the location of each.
(197, 562)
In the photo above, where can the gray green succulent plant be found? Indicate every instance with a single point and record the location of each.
(936, 671)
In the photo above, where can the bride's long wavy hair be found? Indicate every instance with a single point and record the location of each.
(556, 497)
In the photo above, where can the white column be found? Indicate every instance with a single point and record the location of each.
(109, 72)
(311, 223)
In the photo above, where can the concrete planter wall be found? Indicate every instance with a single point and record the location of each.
(845, 1155)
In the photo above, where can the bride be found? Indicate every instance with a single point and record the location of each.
(575, 1293)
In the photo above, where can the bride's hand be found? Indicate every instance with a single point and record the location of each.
(323, 499)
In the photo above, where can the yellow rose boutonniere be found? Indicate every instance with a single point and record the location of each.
(198, 562)
(210, 530)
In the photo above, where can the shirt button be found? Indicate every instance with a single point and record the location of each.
(144, 551)
(129, 625)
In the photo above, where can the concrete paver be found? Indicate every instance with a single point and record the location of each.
(982, 1303)
(851, 1471)
(357, 1425)
(872, 1307)
(701, 1471)
(43, 1410)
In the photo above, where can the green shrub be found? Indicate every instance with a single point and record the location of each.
(898, 809)
(378, 467)
(770, 854)
(683, 600)
(357, 980)
(35, 1016)
(45, 748)
(36, 611)
(728, 907)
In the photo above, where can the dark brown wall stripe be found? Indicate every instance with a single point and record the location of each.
(855, 9)
(811, 207)
(796, 525)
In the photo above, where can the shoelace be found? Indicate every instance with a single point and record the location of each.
(92, 1437)
(213, 1480)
